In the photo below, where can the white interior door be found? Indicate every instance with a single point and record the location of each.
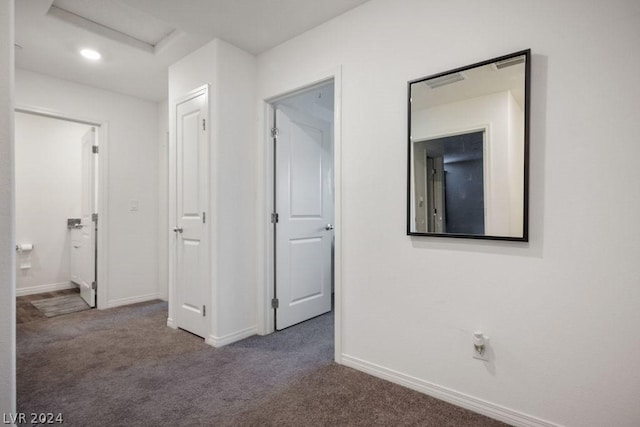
(192, 252)
(75, 255)
(304, 202)
(85, 246)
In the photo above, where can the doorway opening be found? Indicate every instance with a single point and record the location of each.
(303, 214)
(57, 213)
(450, 183)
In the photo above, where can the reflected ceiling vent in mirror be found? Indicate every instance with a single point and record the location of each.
(509, 62)
(445, 80)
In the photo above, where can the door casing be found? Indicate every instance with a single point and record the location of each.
(102, 129)
(266, 254)
(486, 154)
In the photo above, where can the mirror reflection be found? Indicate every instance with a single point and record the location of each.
(468, 151)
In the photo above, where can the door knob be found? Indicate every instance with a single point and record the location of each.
(328, 227)
(178, 229)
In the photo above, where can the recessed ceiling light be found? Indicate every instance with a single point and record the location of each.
(91, 54)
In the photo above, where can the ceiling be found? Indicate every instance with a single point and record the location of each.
(139, 39)
(478, 81)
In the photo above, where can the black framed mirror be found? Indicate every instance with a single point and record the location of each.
(468, 151)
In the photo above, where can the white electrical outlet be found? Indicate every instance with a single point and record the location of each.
(480, 346)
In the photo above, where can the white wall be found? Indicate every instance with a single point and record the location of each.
(231, 74)
(190, 73)
(235, 116)
(48, 185)
(7, 225)
(133, 176)
(563, 310)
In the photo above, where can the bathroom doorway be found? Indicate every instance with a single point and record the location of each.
(268, 289)
(56, 188)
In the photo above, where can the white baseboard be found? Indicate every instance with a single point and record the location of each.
(44, 288)
(131, 300)
(448, 395)
(231, 338)
(171, 323)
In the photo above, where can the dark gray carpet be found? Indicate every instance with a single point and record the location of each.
(57, 306)
(123, 366)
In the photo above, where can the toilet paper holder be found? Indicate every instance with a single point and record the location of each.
(74, 223)
(24, 247)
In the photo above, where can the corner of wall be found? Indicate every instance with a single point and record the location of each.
(234, 115)
(7, 216)
(221, 341)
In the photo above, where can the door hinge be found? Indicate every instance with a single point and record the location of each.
(204, 217)
(275, 303)
(274, 218)
(94, 217)
(94, 285)
(275, 132)
(94, 149)
(204, 124)
(204, 310)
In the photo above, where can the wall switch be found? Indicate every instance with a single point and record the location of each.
(134, 205)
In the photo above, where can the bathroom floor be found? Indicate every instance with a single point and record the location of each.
(26, 312)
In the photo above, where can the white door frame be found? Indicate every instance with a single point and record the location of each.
(485, 128)
(266, 255)
(103, 185)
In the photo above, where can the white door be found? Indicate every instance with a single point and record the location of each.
(304, 203)
(192, 252)
(86, 250)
